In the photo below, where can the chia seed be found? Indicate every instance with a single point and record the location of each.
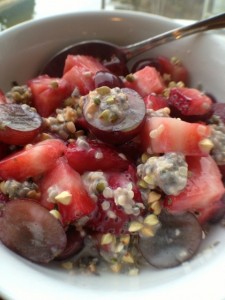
(168, 172)
(218, 139)
(16, 189)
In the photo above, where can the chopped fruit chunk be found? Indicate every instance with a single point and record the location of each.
(79, 72)
(203, 191)
(155, 102)
(110, 166)
(32, 161)
(118, 203)
(68, 193)
(163, 134)
(189, 102)
(145, 81)
(173, 69)
(48, 93)
(91, 155)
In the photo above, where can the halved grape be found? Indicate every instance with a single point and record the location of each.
(104, 78)
(116, 64)
(129, 116)
(75, 243)
(30, 230)
(19, 124)
(176, 241)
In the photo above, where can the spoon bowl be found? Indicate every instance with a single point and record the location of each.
(115, 57)
(112, 56)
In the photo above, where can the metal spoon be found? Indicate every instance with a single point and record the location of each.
(105, 50)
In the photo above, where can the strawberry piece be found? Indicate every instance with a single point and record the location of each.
(164, 134)
(146, 81)
(62, 178)
(114, 219)
(155, 102)
(170, 69)
(93, 156)
(189, 102)
(123, 179)
(203, 191)
(174, 68)
(32, 160)
(104, 223)
(48, 93)
(79, 72)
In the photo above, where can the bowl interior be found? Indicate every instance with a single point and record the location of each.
(24, 50)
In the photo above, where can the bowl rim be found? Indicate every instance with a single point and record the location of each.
(88, 13)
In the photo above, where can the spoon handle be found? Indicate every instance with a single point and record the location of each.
(215, 22)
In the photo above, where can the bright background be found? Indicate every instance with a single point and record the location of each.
(15, 11)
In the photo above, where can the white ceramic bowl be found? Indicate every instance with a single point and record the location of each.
(23, 51)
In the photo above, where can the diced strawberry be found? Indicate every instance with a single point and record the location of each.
(129, 176)
(115, 219)
(165, 134)
(93, 156)
(189, 101)
(155, 102)
(146, 81)
(82, 61)
(48, 93)
(2, 97)
(79, 72)
(62, 178)
(174, 68)
(171, 69)
(203, 191)
(32, 161)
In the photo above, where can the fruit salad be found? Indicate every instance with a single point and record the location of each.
(99, 167)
